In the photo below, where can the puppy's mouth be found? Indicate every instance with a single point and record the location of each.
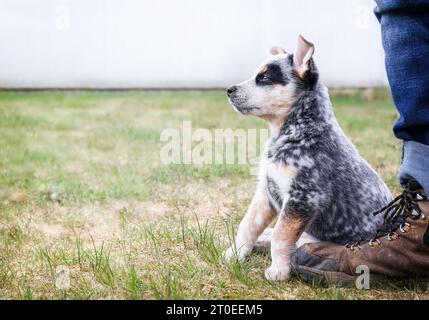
(246, 110)
(241, 109)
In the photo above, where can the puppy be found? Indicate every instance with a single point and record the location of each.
(310, 176)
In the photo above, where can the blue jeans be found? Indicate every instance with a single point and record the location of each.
(405, 36)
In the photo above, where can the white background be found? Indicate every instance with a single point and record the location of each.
(181, 44)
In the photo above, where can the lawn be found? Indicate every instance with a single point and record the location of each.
(88, 211)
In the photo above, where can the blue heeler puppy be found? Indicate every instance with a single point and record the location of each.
(311, 176)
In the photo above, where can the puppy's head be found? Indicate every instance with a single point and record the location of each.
(272, 90)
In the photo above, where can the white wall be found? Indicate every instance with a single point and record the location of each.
(186, 43)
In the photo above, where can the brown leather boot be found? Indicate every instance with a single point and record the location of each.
(399, 252)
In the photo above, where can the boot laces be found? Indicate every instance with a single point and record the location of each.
(394, 213)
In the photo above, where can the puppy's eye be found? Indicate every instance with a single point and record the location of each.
(261, 77)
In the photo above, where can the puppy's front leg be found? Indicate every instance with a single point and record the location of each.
(286, 233)
(258, 217)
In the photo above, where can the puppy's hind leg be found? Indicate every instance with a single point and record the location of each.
(306, 238)
(263, 244)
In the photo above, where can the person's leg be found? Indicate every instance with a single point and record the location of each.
(405, 36)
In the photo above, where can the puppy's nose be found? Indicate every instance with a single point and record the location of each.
(231, 90)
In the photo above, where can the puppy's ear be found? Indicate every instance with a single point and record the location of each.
(277, 50)
(302, 56)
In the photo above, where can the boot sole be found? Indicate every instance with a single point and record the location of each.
(341, 279)
(317, 276)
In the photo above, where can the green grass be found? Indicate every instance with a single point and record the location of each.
(82, 188)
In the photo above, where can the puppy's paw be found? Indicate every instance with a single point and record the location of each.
(235, 254)
(275, 273)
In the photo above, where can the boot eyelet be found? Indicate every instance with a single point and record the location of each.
(405, 227)
(392, 236)
(355, 247)
(373, 243)
(422, 216)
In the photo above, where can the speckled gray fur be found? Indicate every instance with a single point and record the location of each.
(335, 189)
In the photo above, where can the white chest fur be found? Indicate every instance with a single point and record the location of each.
(281, 175)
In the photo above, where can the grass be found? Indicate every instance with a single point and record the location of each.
(82, 188)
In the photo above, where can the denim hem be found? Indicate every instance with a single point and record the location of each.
(415, 164)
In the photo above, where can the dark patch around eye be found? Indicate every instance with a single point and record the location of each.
(272, 75)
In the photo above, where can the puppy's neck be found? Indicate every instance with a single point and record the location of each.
(310, 114)
(276, 124)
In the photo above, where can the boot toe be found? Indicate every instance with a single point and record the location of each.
(309, 256)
